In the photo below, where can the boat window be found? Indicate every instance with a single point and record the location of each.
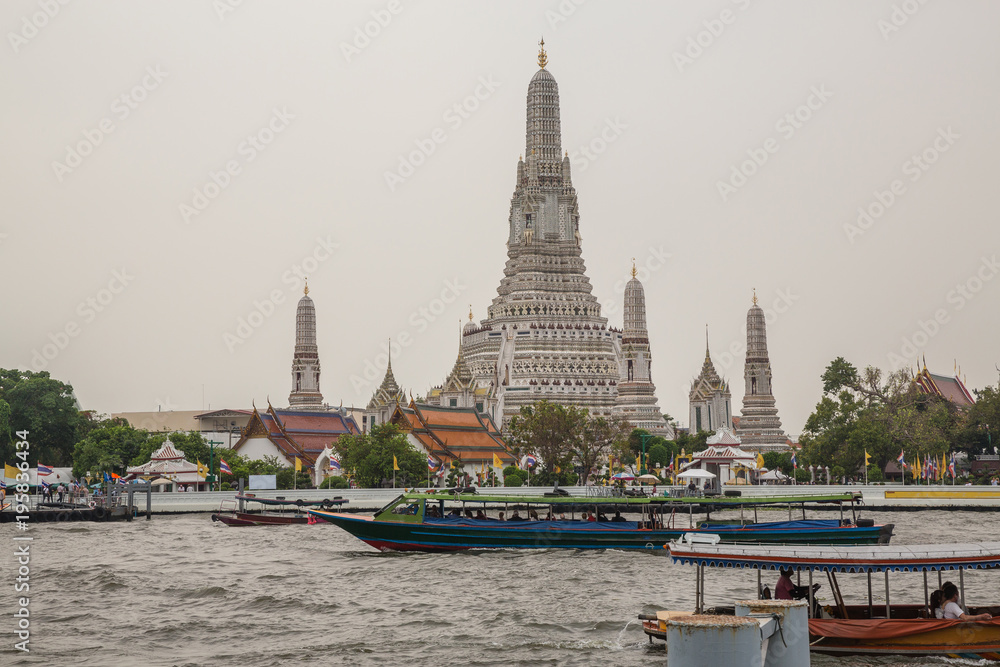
(410, 508)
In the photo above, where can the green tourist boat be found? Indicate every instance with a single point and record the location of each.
(441, 521)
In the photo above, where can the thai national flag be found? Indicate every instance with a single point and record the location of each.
(45, 484)
(430, 464)
(224, 467)
(44, 470)
(794, 462)
(901, 460)
(334, 464)
(530, 461)
(951, 466)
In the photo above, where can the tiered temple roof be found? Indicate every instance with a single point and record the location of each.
(949, 388)
(449, 433)
(298, 432)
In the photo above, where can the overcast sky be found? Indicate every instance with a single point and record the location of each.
(169, 167)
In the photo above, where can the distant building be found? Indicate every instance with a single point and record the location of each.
(710, 399)
(636, 399)
(951, 389)
(286, 434)
(168, 464)
(460, 389)
(759, 428)
(306, 393)
(384, 401)
(450, 434)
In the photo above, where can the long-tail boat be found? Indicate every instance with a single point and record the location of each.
(232, 515)
(441, 521)
(871, 628)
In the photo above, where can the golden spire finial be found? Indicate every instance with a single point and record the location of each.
(543, 58)
(633, 267)
(470, 312)
(755, 296)
(306, 290)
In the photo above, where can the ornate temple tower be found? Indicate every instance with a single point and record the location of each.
(544, 337)
(305, 363)
(384, 400)
(759, 427)
(636, 399)
(710, 399)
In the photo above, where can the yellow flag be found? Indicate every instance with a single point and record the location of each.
(298, 464)
(202, 470)
(497, 463)
(638, 461)
(9, 471)
(558, 470)
(395, 463)
(868, 458)
(760, 460)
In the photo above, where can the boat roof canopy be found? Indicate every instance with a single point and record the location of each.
(487, 495)
(881, 558)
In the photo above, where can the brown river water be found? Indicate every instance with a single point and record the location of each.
(182, 590)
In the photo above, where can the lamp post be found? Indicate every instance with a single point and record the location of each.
(642, 461)
(211, 462)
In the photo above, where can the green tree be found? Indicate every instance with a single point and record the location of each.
(110, 446)
(513, 476)
(44, 407)
(600, 436)
(369, 457)
(549, 430)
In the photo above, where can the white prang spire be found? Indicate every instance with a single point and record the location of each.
(305, 362)
(759, 427)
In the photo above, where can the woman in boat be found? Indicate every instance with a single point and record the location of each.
(952, 610)
(937, 604)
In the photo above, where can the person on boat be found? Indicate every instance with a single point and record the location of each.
(455, 512)
(516, 516)
(601, 516)
(952, 610)
(617, 518)
(468, 514)
(500, 517)
(937, 604)
(532, 515)
(562, 517)
(481, 515)
(589, 516)
(786, 590)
